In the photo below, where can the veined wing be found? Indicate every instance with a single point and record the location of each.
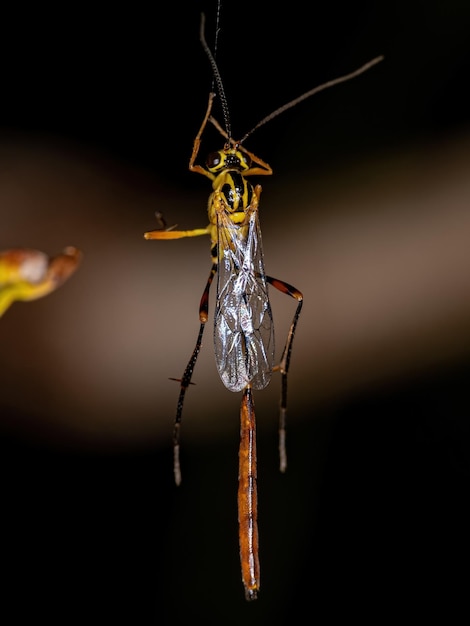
(243, 328)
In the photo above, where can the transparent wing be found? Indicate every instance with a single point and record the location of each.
(243, 328)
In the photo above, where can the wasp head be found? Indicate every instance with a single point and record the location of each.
(230, 158)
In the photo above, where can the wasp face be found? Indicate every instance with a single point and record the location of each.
(227, 159)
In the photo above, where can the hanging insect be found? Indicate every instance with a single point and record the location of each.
(243, 324)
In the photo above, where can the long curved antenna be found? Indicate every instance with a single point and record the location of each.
(293, 103)
(217, 31)
(217, 77)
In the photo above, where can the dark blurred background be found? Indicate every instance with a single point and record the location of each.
(366, 213)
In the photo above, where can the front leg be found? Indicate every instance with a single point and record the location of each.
(197, 143)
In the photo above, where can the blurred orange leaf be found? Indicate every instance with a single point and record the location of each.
(27, 274)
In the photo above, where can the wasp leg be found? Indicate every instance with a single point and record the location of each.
(188, 373)
(176, 234)
(283, 366)
(197, 143)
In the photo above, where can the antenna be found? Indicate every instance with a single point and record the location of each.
(217, 31)
(217, 78)
(308, 94)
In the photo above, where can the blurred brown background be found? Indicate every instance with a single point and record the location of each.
(367, 214)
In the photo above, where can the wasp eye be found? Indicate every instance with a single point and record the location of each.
(213, 160)
(246, 161)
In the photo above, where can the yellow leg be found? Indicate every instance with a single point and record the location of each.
(177, 234)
